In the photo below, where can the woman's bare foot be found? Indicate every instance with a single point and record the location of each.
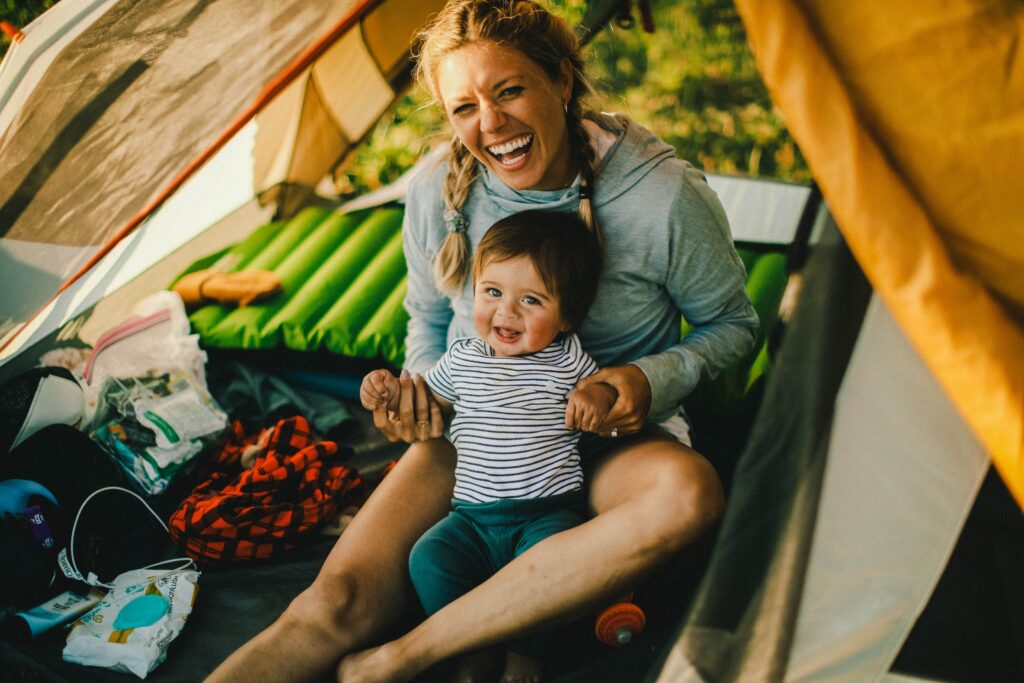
(382, 664)
(521, 669)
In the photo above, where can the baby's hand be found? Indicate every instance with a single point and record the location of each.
(379, 388)
(589, 406)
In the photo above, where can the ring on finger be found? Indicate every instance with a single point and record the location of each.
(614, 433)
(422, 423)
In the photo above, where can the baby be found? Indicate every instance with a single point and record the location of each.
(517, 418)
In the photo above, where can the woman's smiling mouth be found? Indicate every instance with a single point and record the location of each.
(513, 151)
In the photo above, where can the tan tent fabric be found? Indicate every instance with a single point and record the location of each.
(309, 129)
(385, 29)
(911, 116)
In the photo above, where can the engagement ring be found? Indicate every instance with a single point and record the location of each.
(615, 432)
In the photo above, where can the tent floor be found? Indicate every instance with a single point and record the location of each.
(237, 601)
(969, 631)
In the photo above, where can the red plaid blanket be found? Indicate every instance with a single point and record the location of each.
(295, 486)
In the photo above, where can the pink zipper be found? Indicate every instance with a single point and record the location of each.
(122, 332)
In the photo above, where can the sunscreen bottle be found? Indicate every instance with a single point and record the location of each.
(24, 626)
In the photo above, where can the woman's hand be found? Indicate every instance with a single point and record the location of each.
(633, 403)
(417, 416)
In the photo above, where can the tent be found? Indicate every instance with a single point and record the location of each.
(158, 132)
(911, 120)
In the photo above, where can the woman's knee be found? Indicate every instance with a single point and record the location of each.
(328, 608)
(675, 490)
(686, 500)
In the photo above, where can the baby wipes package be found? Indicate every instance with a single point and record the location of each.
(131, 628)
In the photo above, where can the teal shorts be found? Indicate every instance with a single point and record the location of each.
(475, 540)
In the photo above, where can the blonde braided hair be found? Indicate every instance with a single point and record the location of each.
(546, 40)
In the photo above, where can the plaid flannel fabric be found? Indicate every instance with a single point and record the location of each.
(295, 486)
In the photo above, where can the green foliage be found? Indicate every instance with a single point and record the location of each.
(693, 82)
(404, 134)
(20, 13)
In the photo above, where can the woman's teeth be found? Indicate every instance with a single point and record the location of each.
(520, 143)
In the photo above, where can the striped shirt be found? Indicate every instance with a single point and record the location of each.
(509, 425)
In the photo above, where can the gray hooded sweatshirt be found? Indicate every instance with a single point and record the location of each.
(668, 252)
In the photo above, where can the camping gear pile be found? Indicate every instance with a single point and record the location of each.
(85, 505)
(867, 535)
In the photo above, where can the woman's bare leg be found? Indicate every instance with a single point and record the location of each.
(363, 586)
(652, 498)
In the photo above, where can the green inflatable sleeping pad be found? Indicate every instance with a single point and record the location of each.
(345, 281)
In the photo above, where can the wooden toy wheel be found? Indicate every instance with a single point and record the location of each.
(619, 624)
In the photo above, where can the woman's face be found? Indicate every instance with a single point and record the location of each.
(509, 114)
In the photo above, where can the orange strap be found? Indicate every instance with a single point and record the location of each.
(12, 31)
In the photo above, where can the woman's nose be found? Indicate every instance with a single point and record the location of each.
(491, 118)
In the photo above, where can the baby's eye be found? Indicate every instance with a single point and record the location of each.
(531, 300)
(493, 291)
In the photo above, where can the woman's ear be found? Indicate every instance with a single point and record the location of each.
(565, 80)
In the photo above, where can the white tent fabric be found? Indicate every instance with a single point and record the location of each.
(26, 61)
(903, 471)
(302, 135)
(762, 211)
(221, 186)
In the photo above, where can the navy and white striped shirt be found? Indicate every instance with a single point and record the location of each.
(509, 425)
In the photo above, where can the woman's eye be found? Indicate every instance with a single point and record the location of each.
(512, 92)
(462, 110)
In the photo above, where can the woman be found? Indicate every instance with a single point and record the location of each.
(510, 78)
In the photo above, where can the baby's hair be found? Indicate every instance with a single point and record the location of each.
(564, 252)
(545, 39)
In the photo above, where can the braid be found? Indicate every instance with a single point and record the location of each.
(451, 265)
(579, 142)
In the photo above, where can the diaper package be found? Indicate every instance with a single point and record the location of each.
(131, 628)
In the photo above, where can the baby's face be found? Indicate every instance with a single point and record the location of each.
(513, 311)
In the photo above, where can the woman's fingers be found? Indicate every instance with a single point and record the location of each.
(384, 422)
(436, 420)
(416, 410)
(632, 403)
(570, 413)
(412, 414)
(421, 409)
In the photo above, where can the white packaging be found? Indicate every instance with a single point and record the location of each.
(179, 418)
(133, 625)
